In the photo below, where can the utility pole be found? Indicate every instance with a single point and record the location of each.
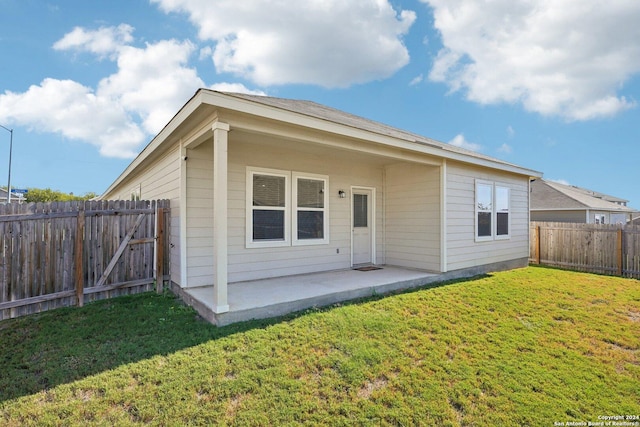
(10, 151)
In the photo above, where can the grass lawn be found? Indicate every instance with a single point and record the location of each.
(526, 347)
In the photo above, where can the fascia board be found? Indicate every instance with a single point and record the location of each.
(559, 209)
(246, 106)
(222, 101)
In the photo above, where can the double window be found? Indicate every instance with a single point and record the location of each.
(493, 211)
(286, 208)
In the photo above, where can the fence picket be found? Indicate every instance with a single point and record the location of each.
(53, 254)
(597, 248)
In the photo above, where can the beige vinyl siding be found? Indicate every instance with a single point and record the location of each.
(413, 216)
(342, 171)
(159, 180)
(199, 199)
(462, 249)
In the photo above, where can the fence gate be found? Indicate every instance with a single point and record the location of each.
(67, 253)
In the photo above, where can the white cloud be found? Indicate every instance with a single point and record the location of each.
(505, 148)
(510, 131)
(153, 82)
(562, 58)
(73, 110)
(460, 141)
(125, 108)
(103, 41)
(205, 53)
(237, 88)
(332, 43)
(416, 80)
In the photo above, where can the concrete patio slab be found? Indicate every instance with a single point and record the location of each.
(266, 298)
(261, 299)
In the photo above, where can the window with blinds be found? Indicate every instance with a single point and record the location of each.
(310, 209)
(493, 211)
(285, 208)
(268, 207)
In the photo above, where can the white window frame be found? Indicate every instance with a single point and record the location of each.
(494, 211)
(599, 219)
(294, 206)
(480, 182)
(250, 243)
(290, 209)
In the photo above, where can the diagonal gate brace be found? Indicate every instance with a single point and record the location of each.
(119, 252)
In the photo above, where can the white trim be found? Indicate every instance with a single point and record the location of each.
(384, 215)
(479, 182)
(425, 146)
(249, 242)
(443, 217)
(290, 209)
(183, 153)
(495, 211)
(205, 99)
(529, 215)
(354, 189)
(294, 208)
(220, 217)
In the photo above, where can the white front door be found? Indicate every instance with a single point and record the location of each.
(361, 226)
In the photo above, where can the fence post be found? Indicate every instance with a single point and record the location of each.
(619, 243)
(79, 276)
(538, 245)
(159, 250)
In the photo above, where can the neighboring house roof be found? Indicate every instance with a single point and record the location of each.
(310, 115)
(14, 196)
(548, 195)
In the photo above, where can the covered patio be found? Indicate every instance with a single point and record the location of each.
(265, 298)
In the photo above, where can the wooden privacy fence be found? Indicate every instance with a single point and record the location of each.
(595, 248)
(65, 253)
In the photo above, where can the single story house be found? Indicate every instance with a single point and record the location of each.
(263, 187)
(555, 202)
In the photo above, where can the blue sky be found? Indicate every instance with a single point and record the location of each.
(552, 86)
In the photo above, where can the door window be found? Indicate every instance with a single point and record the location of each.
(360, 211)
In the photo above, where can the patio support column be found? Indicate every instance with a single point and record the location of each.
(220, 142)
(443, 217)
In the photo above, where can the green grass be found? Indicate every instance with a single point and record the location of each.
(526, 347)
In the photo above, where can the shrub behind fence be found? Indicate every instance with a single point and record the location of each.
(65, 253)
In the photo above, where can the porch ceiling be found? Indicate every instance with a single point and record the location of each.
(352, 150)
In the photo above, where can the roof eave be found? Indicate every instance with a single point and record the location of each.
(274, 113)
(224, 101)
